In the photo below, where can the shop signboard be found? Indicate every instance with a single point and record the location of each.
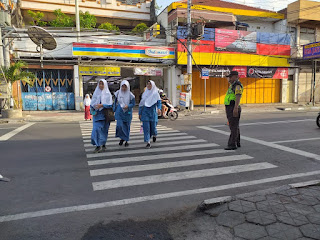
(128, 52)
(275, 73)
(157, 52)
(184, 99)
(222, 72)
(311, 50)
(251, 72)
(100, 71)
(235, 41)
(148, 71)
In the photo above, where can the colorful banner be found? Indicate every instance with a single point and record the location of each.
(141, 71)
(311, 50)
(235, 41)
(221, 48)
(222, 72)
(100, 71)
(274, 73)
(123, 51)
(250, 72)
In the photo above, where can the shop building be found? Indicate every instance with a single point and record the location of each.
(250, 40)
(304, 25)
(72, 69)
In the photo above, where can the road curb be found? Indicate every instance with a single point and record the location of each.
(210, 203)
(8, 120)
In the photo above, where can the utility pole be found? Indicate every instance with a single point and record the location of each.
(77, 19)
(189, 59)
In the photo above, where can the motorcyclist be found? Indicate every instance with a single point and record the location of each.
(164, 101)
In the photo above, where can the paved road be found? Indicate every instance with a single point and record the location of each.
(60, 190)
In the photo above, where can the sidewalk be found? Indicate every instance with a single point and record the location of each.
(75, 116)
(286, 213)
(253, 108)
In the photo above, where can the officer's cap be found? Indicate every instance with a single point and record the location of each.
(233, 73)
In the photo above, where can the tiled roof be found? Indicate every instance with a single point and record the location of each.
(224, 4)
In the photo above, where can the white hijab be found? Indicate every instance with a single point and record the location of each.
(150, 97)
(87, 100)
(124, 98)
(101, 96)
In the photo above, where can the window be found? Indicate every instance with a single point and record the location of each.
(129, 2)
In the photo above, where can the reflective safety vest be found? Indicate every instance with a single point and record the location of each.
(233, 90)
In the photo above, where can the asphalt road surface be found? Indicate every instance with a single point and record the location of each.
(60, 190)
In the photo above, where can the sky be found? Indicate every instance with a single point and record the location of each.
(274, 5)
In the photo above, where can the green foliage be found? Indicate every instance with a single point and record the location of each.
(140, 28)
(37, 18)
(62, 20)
(16, 73)
(109, 26)
(87, 20)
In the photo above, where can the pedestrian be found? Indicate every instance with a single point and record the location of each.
(86, 103)
(123, 105)
(148, 112)
(101, 100)
(233, 109)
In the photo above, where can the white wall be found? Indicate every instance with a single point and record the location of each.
(108, 8)
(260, 26)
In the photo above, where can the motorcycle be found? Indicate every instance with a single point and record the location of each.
(318, 120)
(172, 113)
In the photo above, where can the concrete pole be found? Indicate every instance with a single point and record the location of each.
(1, 49)
(296, 85)
(77, 19)
(189, 59)
(6, 50)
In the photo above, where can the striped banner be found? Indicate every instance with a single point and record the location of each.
(123, 51)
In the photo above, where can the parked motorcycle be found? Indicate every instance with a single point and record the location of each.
(318, 120)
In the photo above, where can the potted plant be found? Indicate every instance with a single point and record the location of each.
(11, 75)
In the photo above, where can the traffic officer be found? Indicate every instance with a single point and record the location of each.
(233, 109)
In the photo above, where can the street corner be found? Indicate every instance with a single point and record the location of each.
(287, 212)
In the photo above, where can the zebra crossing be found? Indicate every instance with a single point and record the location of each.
(175, 157)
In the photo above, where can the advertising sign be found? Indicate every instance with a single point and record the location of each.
(145, 71)
(154, 53)
(235, 41)
(100, 71)
(184, 99)
(157, 52)
(276, 73)
(311, 50)
(222, 72)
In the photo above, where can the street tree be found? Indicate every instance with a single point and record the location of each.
(87, 20)
(140, 28)
(109, 26)
(37, 18)
(16, 73)
(61, 20)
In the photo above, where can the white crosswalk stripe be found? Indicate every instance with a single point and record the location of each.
(138, 168)
(158, 156)
(152, 150)
(143, 145)
(175, 154)
(118, 183)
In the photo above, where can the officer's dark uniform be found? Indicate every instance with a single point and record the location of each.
(235, 89)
